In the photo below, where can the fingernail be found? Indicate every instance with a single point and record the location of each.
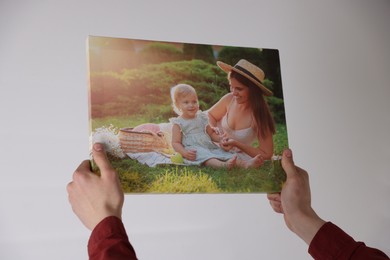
(98, 147)
(288, 153)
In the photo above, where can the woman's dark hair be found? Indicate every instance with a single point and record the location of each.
(261, 112)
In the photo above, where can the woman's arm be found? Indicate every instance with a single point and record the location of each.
(219, 109)
(178, 146)
(266, 146)
(213, 135)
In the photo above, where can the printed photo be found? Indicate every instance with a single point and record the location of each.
(187, 117)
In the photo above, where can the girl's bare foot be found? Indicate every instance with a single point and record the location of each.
(231, 162)
(255, 162)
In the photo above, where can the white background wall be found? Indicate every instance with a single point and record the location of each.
(335, 63)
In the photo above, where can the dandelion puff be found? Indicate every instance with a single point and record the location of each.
(109, 138)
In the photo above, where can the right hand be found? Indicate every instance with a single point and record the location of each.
(294, 201)
(217, 130)
(190, 155)
(227, 143)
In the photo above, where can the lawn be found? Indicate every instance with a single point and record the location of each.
(139, 178)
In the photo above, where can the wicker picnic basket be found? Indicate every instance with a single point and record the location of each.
(138, 142)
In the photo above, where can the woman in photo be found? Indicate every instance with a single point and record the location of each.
(193, 137)
(243, 114)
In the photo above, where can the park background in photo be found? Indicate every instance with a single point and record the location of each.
(130, 107)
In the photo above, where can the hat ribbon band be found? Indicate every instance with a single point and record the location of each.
(248, 73)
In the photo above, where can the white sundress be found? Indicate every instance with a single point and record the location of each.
(194, 137)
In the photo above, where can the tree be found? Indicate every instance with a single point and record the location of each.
(110, 54)
(271, 67)
(266, 59)
(156, 52)
(199, 52)
(231, 55)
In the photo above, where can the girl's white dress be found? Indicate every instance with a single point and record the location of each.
(195, 137)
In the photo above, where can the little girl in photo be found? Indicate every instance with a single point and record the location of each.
(192, 135)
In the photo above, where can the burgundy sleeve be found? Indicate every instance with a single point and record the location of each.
(109, 241)
(331, 242)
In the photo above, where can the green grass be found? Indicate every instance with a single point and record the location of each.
(138, 178)
(280, 137)
(183, 180)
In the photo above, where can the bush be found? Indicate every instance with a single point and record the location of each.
(198, 51)
(159, 52)
(146, 91)
(128, 92)
(231, 55)
(277, 109)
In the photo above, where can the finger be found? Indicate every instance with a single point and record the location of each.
(276, 206)
(303, 173)
(274, 196)
(100, 157)
(69, 188)
(288, 163)
(83, 168)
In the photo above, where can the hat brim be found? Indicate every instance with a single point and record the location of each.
(228, 68)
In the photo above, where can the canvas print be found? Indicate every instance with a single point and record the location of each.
(187, 118)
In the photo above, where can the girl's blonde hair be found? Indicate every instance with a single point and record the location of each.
(180, 91)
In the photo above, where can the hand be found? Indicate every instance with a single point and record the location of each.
(226, 148)
(227, 143)
(94, 197)
(295, 201)
(190, 155)
(216, 130)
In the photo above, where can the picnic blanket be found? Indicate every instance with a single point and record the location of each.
(151, 159)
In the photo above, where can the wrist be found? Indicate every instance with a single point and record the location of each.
(234, 143)
(306, 226)
(103, 216)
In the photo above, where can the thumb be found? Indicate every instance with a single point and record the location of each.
(288, 163)
(100, 157)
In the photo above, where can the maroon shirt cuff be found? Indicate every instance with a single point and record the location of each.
(331, 242)
(109, 240)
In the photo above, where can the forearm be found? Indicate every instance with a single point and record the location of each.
(212, 120)
(178, 147)
(253, 151)
(109, 241)
(215, 138)
(213, 135)
(330, 242)
(305, 226)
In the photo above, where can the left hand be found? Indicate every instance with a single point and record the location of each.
(94, 197)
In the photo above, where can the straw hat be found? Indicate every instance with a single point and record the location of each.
(248, 70)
